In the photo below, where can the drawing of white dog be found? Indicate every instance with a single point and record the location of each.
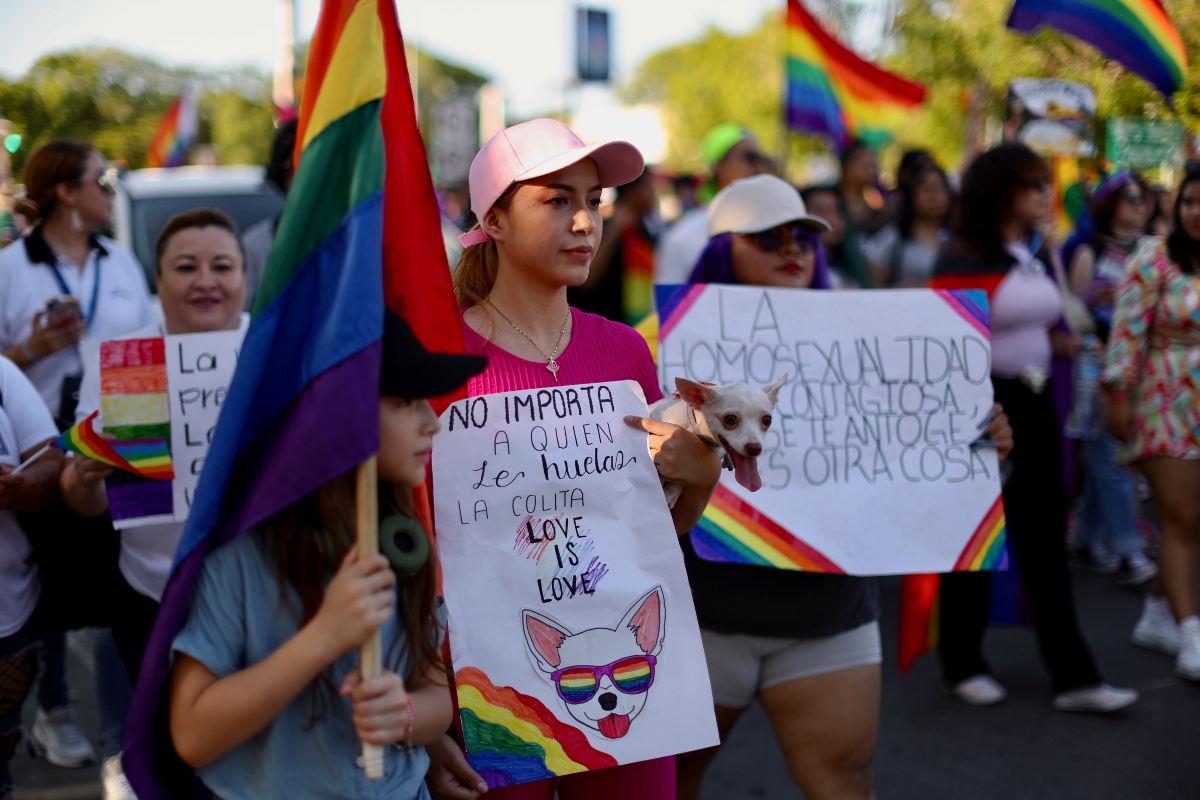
(602, 675)
(733, 418)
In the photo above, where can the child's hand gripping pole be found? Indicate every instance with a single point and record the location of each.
(371, 654)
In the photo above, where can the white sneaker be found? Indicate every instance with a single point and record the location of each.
(1136, 570)
(1101, 699)
(1157, 629)
(1187, 666)
(57, 736)
(980, 690)
(113, 778)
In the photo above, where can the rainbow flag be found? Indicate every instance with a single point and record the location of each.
(150, 458)
(174, 135)
(832, 91)
(361, 229)
(1138, 33)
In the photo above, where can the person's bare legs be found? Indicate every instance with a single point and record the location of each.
(1176, 486)
(690, 767)
(828, 726)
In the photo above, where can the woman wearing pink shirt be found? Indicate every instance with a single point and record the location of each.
(535, 189)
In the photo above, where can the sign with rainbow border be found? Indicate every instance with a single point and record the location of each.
(873, 463)
(572, 630)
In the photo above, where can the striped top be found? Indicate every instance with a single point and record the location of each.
(599, 351)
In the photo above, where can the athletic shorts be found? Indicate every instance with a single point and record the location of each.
(741, 666)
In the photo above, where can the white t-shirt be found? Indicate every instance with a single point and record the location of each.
(148, 550)
(24, 422)
(680, 247)
(27, 281)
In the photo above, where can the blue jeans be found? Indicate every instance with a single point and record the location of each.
(1109, 512)
(114, 692)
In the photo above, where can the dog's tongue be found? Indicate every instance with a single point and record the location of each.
(745, 471)
(614, 726)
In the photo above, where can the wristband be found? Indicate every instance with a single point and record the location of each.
(412, 720)
(28, 353)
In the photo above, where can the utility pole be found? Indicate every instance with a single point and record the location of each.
(283, 95)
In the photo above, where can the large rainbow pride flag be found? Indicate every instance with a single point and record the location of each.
(360, 229)
(1138, 33)
(174, 135)
(832, 91)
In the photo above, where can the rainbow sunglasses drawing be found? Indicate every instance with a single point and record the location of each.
(602, 675)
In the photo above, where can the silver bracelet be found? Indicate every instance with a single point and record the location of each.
(28, 353)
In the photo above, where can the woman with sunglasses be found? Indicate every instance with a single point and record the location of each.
(1006, 193)
(806, 645)
(1107, 537)
(63, 290)
(1153, 368)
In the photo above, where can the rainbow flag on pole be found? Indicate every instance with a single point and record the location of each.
(1138, 33)
(832, 91)
(150, 457)
(175, 134)
(360, 229)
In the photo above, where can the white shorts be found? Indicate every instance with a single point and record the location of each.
(740, 666)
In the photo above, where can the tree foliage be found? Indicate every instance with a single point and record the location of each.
(116, 100)
(959, 49)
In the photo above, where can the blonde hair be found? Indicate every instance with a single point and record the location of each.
(475, 274)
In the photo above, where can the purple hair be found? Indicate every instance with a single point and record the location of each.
(716, 262)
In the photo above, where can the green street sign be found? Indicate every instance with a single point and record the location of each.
(12, 142)
(1137, 143)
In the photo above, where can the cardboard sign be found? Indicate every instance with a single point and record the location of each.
(868, 466)
(1052, 116)
(179, 397)
(572, 630)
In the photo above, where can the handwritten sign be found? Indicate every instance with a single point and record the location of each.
(868, 468)
(572, 629)
(194, 372)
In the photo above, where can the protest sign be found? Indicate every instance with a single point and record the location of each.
(174, 396)
(572, 630)
(1052, 116)
(868, 467)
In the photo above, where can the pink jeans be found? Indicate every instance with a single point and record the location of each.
(645, 780)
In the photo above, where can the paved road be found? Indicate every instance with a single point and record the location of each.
(931, 746)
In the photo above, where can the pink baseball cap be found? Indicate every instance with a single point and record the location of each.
(536, 148)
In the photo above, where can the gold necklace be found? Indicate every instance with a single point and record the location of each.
(553, 365)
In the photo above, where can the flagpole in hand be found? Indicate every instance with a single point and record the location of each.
(366, 500)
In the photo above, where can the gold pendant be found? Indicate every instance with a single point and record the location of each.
(553, 367)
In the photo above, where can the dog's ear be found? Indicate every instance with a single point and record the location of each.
(647, 618)
(772, 389)
(544, 637)
(694, 394)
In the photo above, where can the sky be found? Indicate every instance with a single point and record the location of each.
(525, 45)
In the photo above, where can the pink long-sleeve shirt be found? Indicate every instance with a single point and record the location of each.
(599, 351)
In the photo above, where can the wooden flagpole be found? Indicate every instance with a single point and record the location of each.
(366, 501)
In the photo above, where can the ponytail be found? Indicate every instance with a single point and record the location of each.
(475, 274)
(479, 264)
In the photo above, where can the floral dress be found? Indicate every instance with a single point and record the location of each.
(1160, 374)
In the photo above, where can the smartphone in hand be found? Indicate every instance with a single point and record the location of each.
(57, 307)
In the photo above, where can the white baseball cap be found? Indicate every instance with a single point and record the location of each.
(758, 204)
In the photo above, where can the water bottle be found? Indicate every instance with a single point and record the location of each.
(1086, 372)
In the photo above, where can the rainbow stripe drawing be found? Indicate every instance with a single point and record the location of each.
(513, 738)
(133, 399)
(886, 408)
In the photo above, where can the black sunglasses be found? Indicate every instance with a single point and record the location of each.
(775, 239)
(1133, 198)
(1039, 184)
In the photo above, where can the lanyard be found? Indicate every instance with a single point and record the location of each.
(62, 284)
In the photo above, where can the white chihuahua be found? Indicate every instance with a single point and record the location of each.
(732, 419)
